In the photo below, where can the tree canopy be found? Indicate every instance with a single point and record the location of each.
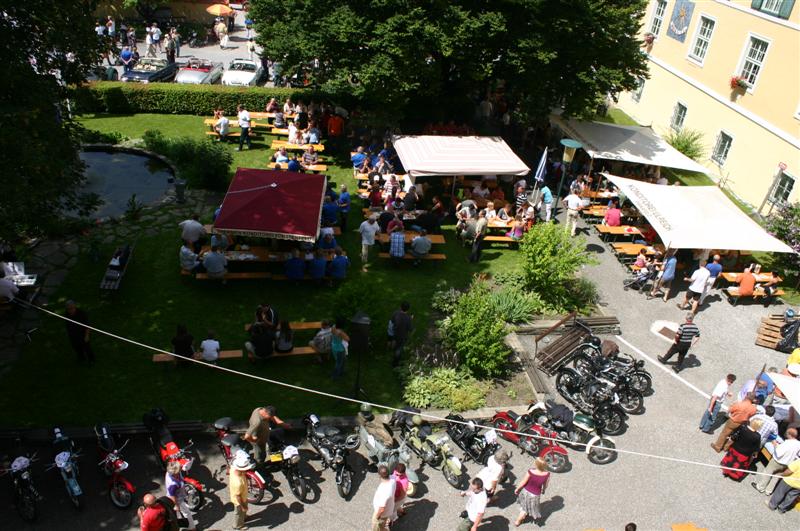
(404, 53)
(44, 49)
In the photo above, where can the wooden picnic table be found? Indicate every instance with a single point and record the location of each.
(733, 278)
(211, 230)
(632, 249)
(269, 115)
(210, 122)
(277, 144)
(262, 254)
(410, 235)
(592, 194)
(365, 177)
(314, 168)
(622, 230)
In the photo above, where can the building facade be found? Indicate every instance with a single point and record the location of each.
(731, 70)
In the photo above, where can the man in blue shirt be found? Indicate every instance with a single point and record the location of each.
(337, 268)
(397, 242)
(344, 207)
(360, 160)
(330, 212)
(715, 268)
(327, 242)
(294, 165)
(295, 267)
(667, 276)
(317, 266)
(547, 201)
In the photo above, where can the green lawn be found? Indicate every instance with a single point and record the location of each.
(154, 298)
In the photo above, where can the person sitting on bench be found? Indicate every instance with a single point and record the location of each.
(261, 342)
(770, 287)
(215, 264)
(284, 341)
(337, 268)
(318, 264)
(209, 348)
(222, 126)
(420, 246)
(322, 341)
(295, 267)
(189, 260)
(747, 283)
(397, 242)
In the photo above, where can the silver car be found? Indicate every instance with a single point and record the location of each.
(198, 72)
(243, 72)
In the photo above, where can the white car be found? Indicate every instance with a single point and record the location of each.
(199, 71)
(243, 72)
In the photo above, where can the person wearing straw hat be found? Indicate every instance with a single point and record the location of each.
(237, 485)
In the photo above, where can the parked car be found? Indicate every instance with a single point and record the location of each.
(150, 69)
(199, 72)
(102, 73)
(243, 72)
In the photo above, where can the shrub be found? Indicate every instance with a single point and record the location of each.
(784, 224)
(551, 262)
(117, 97)
(687, 141)
(90, 136)
(444, 299)
(445, 388)
(202, 163)
(476, 333)
(516, 305)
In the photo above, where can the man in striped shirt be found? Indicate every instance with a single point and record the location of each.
(687, 335)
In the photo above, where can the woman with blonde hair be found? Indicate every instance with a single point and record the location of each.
(743, 451)
(530, 489)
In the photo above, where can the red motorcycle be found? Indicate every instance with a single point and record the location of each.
(166, 450)
(229, 444)
(553, 454)
(120, 490)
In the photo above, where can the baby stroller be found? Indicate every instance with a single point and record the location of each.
(640, 278)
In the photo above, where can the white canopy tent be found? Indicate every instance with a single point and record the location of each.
(626, 143)
(697, 217)
(457, 155)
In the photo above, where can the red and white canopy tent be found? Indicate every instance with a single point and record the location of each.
(273, 204)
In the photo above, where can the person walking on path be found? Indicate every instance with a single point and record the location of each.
(78, 332)
(476, 506)
(176, 492)
(170, 48)
(402, 324)
(573, 205)
(383, 500)
(400, 490)
(784, 454)
(368, 229)
(686, 337)
(339, 342)
(714, 269)
(738, 414)
(530, 490)
(480, 233)
(787, 491)
(697, 286)
(244, 127)
(152, 515)
(493, 472)
(745, 444)
(237, 486)
(664, 283)
(176, 37)
(718, 395)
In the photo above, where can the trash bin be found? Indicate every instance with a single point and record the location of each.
(180, 190)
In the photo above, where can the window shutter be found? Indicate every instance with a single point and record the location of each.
(786, 9)
(756, 4)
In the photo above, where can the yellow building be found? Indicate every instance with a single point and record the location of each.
(730, 69)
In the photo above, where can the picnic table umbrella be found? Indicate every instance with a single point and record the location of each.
(219, 10)
(789, 386)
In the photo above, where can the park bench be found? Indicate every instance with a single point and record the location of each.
(297, 350)
(314, 168)
(500, 239)
(734, 296)
(277, 144)
(113, 275)
(298, 325)
(223, 355)
(409, 256)
(232, 134)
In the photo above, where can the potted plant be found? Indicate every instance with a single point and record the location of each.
(738, 82)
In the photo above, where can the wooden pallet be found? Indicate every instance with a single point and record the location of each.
(769, 333)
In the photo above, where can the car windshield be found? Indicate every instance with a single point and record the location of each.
(203, 66)
(150, 65)
(243, 67)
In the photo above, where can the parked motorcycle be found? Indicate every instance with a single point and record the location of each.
(333, 448)
(378, 440)
(120, 490)
(25, 494)
(587, 391)
(581, 430)
(476, 446)
(538, 444)
(282, 458)
(66, 460)
(432, 448)
(167, 450)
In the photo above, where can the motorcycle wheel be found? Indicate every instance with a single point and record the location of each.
(614, 424)
(600, 453)
(194, 497)
(452, 478)
(26, 505)
(631, 401)
(642, 382)
(297, 484)
(582, 363)
(503, 424)
(566, 383)
(430, 456)
(345, 486)
(255, 492)
(121, 497)
(556, 462)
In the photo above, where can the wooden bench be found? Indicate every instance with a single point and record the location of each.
(500, 239)
(223, 355)
(734, 296)
(113, 277)
(409, 256)
(231, 134)
(236, 276)
(410, 235)
(296, 351)
(314, 168)
(277, 144)
(296, 325)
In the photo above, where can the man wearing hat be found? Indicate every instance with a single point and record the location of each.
(493, 471)
(237, 484)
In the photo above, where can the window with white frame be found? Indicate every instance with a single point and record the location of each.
(637, 92)
(753, 59)
(658, 16)
(773, 7)
(776, 8)
(678, 116)
(702, 39)
(783, 189)
(722, 147)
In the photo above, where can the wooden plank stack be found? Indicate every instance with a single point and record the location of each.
(555, 354)
(769, 333)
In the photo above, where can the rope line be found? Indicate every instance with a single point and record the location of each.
(390, 408)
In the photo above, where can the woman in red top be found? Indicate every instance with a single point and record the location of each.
(530, 489)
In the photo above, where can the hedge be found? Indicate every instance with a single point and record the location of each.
(117, 97)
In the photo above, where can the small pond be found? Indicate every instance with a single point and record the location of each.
(115, 176)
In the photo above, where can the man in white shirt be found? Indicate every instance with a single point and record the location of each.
(222, 126)
(368, 229)
(383, 500)
(99, 29)
(156, 35)
(783, 454)
(697, 285)
(244, 125)
(476, 505)
(493, 471)
(573, 205)
(192, 232)
(718, 395)
(210, 348)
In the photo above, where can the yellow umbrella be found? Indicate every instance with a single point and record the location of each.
(219, 10)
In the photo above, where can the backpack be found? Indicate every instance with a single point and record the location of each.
(789, 333)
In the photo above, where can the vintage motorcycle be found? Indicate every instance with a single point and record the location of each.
(378, 441)
(25, 494)
(432, 448)
(66, 461)
(120, 490)
(538, 444)
(581, 430)
(476, 446)
(333, 448)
